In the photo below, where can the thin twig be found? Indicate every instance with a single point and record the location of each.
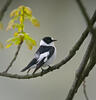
(5, 7)
(84, 90)
(16, 54)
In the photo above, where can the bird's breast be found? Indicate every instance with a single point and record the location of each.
(52, 58)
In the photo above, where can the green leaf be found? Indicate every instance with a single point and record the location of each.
(14, 40)
(14, 13)
(8, 45)
(35, 22)
(16, 34)
(27, 10)
(29, 41)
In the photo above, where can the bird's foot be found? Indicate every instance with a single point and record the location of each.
(42, 71)
(28, 71)
(50, 68)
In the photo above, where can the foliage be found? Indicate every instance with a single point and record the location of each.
(20, 15)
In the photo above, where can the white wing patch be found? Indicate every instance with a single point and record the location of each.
(45, 59)
(42, 56)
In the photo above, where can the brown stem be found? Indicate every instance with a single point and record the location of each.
(16, 54)
(3, 10)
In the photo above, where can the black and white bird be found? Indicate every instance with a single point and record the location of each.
(44, 56)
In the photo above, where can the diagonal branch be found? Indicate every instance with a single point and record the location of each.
(14, 58)
(73, 88)
(86, 57)
(89, 66)
(3, 10)
(88, 22)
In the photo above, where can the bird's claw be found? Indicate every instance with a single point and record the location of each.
(28, 71)
(42, 71)
(50, 68)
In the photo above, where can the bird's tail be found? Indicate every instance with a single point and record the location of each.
(29, 65)
(24, 69)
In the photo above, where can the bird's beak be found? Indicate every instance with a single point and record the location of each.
(54, 40)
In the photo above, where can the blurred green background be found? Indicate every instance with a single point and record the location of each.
(62, 20)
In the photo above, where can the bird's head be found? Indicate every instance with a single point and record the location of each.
(47, 41)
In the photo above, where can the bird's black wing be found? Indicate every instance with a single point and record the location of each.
(51, 52)
(39, 65)
(34, 61)
(43, 49)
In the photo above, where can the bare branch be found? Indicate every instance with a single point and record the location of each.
(89, 66)
(73, 88)
(16, 54)
(5, 7)
(86, 57)
(85, 73)
(83, 10)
